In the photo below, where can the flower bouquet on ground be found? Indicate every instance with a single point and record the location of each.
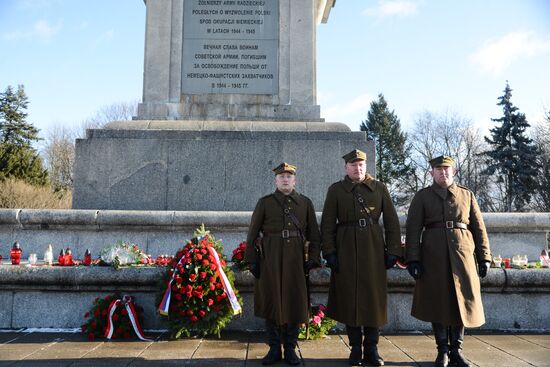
(319, 324)
(197, 291)
(123, 254)
(113, 317)
(238, 256)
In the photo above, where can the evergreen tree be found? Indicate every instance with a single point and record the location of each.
(18, 159)
(513, 155)
(384, 129)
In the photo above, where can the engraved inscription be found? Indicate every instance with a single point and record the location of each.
(230, 46)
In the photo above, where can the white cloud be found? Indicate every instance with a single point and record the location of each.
(351, 112)
(41, 29)
(386, 8)
(498, 54)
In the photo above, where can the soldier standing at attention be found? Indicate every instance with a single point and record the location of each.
(446, 236)
(276, 250)
(358, 253)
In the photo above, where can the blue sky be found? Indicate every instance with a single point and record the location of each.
(76, 56)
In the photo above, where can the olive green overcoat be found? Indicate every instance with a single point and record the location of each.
(448, 291)
(280, 293)
(358, 291)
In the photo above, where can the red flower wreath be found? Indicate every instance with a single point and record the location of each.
(238, 256)
(198, 302)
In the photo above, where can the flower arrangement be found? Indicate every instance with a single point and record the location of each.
(319, 324)
(197, 291)
(238, 256)
(98, 319)
(121, 254)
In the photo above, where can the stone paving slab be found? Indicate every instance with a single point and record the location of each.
(247, 348)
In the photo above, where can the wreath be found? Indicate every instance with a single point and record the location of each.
(121, 326)
(123, 254)
(197, 291)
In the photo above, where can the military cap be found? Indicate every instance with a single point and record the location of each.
(355, 155)
(442, 160)
(285, 167)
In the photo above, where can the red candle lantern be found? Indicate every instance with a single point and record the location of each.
(15, 253)
(87, 258)
(68, 257)
(61, 257)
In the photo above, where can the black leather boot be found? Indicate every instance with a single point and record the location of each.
(274, 341)
(370, 347)
(457, 338)
(441, 336)
(290, 342)
(354, 336)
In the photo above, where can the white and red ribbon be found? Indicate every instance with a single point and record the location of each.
(226, 284)
(129, 304)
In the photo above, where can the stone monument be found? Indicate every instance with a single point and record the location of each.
(229, 91)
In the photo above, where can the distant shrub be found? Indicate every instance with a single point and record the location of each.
(19, 194)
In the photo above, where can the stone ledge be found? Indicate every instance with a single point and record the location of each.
(146, 279)
(501, 222)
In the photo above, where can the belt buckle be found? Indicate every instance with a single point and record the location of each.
(449, 224)
(285, 233)
(362, 222)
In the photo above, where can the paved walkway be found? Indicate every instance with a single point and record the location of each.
(247, 348)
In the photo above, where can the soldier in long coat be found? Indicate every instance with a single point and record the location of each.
(358, 252)
(280, 294)
(446, 247)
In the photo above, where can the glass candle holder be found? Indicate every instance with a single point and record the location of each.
(32, 258)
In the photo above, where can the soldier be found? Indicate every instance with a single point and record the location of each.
(447, 219)
(358, 254)
(276, 251)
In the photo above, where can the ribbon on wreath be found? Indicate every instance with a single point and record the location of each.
(128, 302)
(225, 282)
(165, 302)
(544, 258)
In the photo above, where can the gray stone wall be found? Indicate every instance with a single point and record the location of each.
(215, 165)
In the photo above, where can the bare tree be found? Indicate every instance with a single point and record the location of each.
(120, 111)
(59, 154)
(450, 134)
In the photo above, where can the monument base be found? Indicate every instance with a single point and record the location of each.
(206, 165)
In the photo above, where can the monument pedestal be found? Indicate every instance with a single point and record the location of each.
(206, 165)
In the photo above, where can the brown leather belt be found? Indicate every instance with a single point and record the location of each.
(285, 233)
(448, 224)
(362, 222)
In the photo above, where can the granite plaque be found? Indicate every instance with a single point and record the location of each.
(230, 46)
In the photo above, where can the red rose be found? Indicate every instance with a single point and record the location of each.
(188, 294)
(188, 288)
(104, 312)
(205, 262)
(213, 267)
(209, 301)
(189, 312)
(239, 256)
(96, 313)
(222, 262)
(203, 251)
(224, 295)
(179, 280)
(192, 277)
(194, 318)
(218, 298)
(198, 294)
(218, 285)
(86, 315)
(124, 311)
(212, 279)
(202, 274)
(107, 298)
(202, 313)
(93, 324)
(178, 296)
(198, 256)
(212, 286)
(115, 317)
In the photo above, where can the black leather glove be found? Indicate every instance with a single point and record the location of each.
(483, 266)
(390, 260)
(415, 269)
(332, 261)
(255, 270)
(309, 265)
